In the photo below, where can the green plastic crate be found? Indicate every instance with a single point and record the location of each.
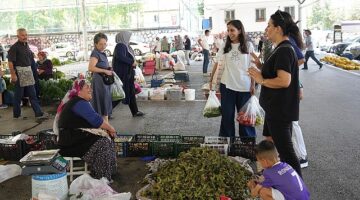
(145, 138)
(163, 149)
(169, 138)
(120, 144)
(138, 149)
(193, 139)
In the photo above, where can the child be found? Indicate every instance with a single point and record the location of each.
(2, 89)
(280, 180)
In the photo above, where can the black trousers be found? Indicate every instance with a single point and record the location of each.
(132, 104)
(281, 132)
(310, 54)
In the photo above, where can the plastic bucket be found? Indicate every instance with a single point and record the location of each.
(189, 94)
(52, 184)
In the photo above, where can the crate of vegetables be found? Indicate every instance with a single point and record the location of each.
(244, 147)
(145, 138)
(169, 138)
(193, 139)
(184, 147)
(138, 149)
(120, 144)
(163, 149)
(221, 148)
(217, 140)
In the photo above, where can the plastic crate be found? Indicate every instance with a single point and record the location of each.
(120, 144)
(174, 94)
(221, 148)
(244, 147)
(169, 138)
(164, 149)
(193, 139)
(217, 140)
(47, 139)
(138, 149)
(183, 147)
(144, 138)
(13, 152)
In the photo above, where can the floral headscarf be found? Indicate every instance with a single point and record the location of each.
(73, 92)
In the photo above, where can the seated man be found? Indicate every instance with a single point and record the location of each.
(83, 132)
(280, 180)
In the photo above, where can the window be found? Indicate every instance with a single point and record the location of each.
(229, 15)
(290, 10)
(260, 14)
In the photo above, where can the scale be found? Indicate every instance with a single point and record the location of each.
(43, 162)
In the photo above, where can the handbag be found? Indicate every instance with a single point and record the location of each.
(155, 82)
(108, 79)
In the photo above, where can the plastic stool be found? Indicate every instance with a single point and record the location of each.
(75, 170)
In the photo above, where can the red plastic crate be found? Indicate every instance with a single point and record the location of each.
(148, 70)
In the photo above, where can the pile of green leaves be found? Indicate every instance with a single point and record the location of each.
(56, 61)
(59, 75)
(201, 173)
(54, 90)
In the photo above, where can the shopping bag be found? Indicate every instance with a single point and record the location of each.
(251, 114)
(117, 92)
(212, 106)
(155, 81)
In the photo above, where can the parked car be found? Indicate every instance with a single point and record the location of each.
(62, 50)
(139, 48)
(339, 47)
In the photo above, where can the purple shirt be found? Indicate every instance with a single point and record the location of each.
(284, 178)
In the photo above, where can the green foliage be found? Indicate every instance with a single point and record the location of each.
(201, 173)
(55, 61)
(59, 75)
(9, 86)
(200, 5)
(54, 90)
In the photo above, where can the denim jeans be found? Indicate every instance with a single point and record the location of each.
(19, 93)
(206, 62)
(229, 100)
(310, 54)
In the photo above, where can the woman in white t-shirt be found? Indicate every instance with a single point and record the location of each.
(236, 86)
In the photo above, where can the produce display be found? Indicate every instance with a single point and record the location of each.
(341, 62)
(200, 173)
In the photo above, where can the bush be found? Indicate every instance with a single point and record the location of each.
(54, 90)
(55, 62)
(59, 75)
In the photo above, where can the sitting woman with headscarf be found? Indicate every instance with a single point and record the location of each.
(124, 64)
(45, 67)
(84, 133)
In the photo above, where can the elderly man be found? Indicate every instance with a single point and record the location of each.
(20, 59)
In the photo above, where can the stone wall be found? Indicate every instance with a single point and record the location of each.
(42, 41)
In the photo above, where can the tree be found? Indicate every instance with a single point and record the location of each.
(200, 5)
(322, 17)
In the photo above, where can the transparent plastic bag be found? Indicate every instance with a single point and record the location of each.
(251, 114)
(117, 92)
(212, 106)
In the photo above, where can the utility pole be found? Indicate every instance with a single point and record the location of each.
(84, 30)
(299, 14)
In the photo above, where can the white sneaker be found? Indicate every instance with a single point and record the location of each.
(304, 163)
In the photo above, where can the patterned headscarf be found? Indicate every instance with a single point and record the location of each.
(73, 92)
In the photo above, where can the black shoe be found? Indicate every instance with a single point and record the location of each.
(304, 68)
(320, 66)
(304, 163)
(139, 114)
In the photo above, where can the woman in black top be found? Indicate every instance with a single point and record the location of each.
(279, 78)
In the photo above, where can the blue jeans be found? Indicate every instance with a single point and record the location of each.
(2, 88)
(19, 93)
(310, 54)
(229, 100)
(206, 62)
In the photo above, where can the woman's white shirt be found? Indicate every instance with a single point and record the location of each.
(236, 64)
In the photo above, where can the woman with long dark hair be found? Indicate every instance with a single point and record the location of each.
(236, 86)
(279, 77)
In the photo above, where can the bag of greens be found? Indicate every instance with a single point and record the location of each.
(212, 106)
(117, 92)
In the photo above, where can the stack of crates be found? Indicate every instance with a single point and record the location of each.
(149, 67)
(140, 145)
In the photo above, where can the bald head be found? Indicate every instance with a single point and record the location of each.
(21, 35)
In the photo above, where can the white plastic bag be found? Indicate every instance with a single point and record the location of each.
(117, 92)
(212, 106)
(251, 114)
(9, 171)
(90, 188)
(179, 66)
(139, 77)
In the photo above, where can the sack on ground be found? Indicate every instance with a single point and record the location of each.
(212, 106)
(251, 114)
(117, 92)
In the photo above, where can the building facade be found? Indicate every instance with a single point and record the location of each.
(254, 14)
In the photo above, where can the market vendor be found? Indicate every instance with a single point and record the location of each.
(84, 133)
(45, 66)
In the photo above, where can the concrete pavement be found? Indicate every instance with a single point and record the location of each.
(329, 119)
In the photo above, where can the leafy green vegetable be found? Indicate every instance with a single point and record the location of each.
(200, 173)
